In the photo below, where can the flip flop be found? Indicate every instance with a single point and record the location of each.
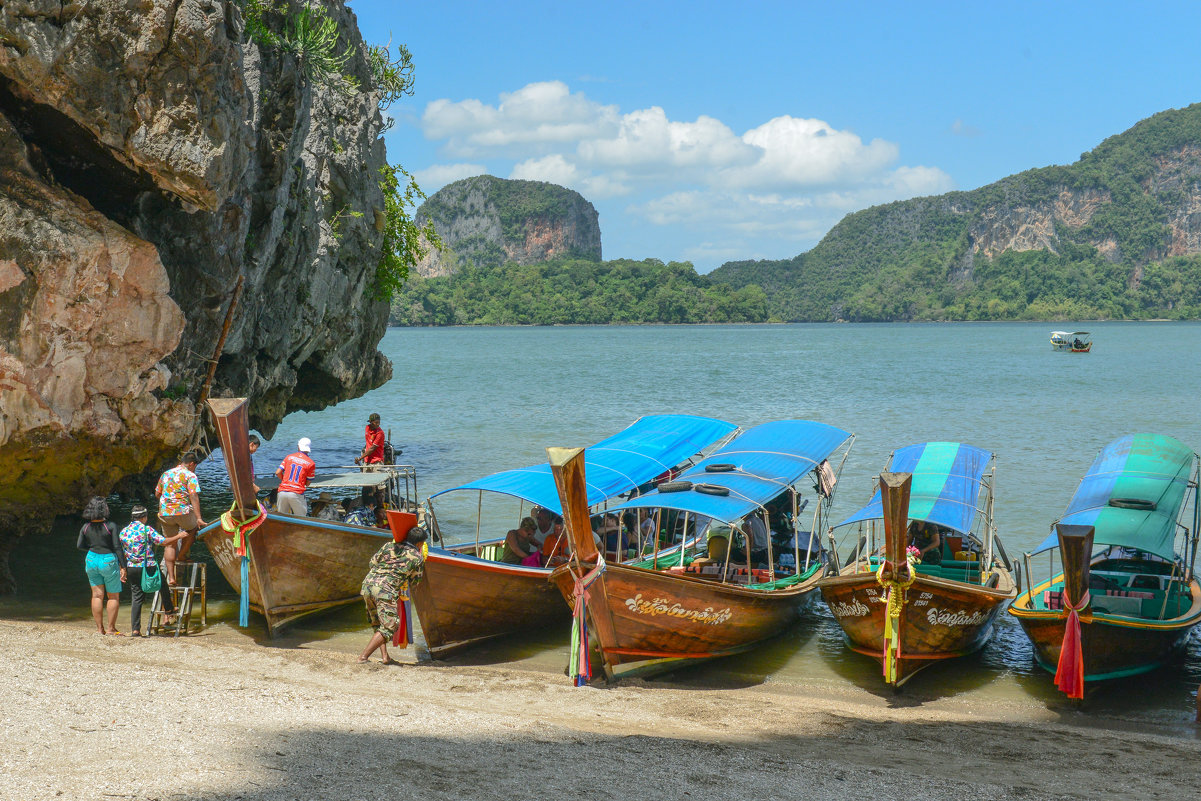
(115, 633)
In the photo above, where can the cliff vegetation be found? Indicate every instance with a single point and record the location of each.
(576, 291)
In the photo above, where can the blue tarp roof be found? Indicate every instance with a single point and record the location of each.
(650, 446)
(945, 487)
(768, 459)
(1136, 467)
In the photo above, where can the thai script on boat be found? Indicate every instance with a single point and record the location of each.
(661, 606)
(941, 617)
(853, 609)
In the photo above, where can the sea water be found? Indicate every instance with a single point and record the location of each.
(466, 402)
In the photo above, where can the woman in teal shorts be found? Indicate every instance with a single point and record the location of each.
(105, 563)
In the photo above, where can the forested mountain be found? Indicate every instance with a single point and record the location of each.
(1115, 235)
(576, 291)
(488, 221)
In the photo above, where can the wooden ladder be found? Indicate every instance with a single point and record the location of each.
(184, 596)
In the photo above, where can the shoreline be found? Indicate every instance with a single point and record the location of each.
(223, 717)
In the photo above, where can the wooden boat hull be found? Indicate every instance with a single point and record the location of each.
(464, 600)
(1113, 646)
(941, 618)
(648, 622)
(298, 565)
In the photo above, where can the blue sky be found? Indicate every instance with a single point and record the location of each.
(708, 132)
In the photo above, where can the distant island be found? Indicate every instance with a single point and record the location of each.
(1116, 235)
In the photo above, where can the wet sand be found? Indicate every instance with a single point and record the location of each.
(216, 716)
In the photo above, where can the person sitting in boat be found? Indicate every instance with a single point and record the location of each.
(546, 527)
(754, 525)
(520, 548)
(381, 516)
(925, 536)
(361, 513)
(326, 508)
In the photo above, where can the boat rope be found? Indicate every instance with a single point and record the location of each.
(581, 664)
(240, 531)
(1069, 673)
(894, 589)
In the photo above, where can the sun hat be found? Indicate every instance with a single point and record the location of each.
(305, 444)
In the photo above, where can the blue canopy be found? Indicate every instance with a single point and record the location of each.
(1132, 494)
(945, 487)
(767, 460)
(651, 446)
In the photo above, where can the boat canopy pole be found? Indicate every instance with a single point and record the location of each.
(796, 536)
(479, 514)
(989, 533)
(771, 560)
(1196, 517)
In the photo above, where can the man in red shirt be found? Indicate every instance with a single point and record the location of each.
(294, 474)
(373, 451)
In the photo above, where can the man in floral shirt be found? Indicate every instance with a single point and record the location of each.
(179, 509)
(138, 541)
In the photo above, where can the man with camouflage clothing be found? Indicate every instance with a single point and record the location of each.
(394, 567)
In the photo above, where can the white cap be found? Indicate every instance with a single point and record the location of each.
(305, 444)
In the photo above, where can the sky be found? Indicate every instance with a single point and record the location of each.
(711, 132)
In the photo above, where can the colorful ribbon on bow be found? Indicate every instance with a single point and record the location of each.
(240, 530)
(894, 603)
(1069, 673)
(581, 663)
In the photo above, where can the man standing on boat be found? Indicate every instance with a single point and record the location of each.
(373, 451)
(294, 474)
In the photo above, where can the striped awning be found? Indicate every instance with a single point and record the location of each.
(947, 479)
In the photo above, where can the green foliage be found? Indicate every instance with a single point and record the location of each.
(576, 291)
(921, 259)
(392, 78)
(310, 35)
(402, 245)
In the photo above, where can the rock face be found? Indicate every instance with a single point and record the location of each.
(150, 159)
(491, 221)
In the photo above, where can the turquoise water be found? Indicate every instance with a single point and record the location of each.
(465, 402)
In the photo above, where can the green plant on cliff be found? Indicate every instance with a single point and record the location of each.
(310, 35)
(393, 78)
(403, 244)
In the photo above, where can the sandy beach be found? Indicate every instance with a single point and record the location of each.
(215, 717)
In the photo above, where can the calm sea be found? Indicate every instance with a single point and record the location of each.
(465, 402)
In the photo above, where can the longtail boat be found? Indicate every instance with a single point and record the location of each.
(1124, 596)
(468, 595)
(907, 612)
(294, 566)
(707, 598)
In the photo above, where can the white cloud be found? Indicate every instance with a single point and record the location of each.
(539, 115)
(790, 177)
(556, 169)
(433, 178)
(961, 128)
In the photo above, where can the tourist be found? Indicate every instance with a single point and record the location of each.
(138, 541)
(373, 451)
(294, 474)
(754, 526)
(925, 536)
(381, 517)
(104, 564)
(546, 526)
(178, 494)
(326, 508)
(362, 510)
(519, 544)
(395, 568)
(252, 444)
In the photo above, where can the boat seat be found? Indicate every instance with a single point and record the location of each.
(492, 551)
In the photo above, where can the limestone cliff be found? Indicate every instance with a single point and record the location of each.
(1115, 235)
(150, 158)
(490, 221)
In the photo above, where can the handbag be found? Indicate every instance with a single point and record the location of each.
(151, 582)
